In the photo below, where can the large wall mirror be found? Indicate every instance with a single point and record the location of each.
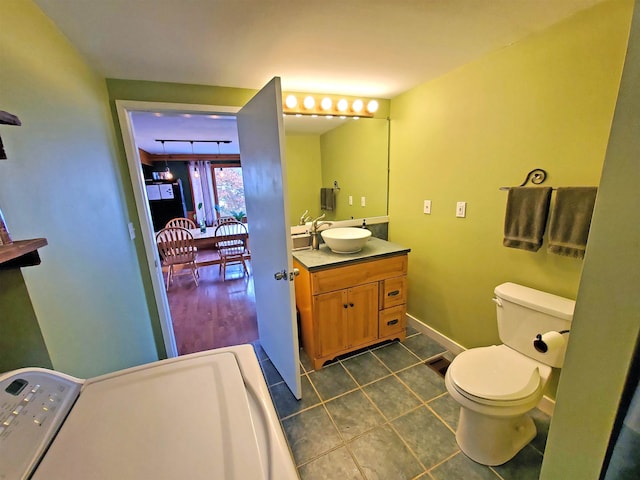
(349, 153)
(319, 152)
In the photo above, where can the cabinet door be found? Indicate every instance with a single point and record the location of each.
(330, 316)
(363, 313)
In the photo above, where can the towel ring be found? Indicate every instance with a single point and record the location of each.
(535, 176)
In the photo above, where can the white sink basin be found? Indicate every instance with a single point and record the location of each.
(345, 240)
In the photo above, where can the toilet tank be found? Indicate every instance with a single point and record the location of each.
(524, 312)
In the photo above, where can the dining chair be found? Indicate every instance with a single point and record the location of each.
(181, 222)
(231, 241)
(177, 248)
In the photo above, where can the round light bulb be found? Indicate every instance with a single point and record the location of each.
(326, 103)
(372, 106)
(342, 105)
(291, 101)
(309, 102)
(357, 106)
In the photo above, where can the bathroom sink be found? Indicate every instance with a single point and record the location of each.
(345, 240)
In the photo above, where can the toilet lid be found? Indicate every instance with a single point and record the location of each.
(495, 373)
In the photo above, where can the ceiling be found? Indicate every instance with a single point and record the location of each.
(370, 48)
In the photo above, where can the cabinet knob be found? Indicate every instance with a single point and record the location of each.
(346, 306)
(351, 304)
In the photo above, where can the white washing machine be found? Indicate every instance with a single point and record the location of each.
(202, 416)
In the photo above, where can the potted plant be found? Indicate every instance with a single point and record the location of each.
(200, 213)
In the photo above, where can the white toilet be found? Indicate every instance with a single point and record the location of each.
(497, 385)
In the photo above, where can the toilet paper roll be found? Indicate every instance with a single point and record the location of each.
(548, 341)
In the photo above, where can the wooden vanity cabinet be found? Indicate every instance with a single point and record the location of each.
(344, 308)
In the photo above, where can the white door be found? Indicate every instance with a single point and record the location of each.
(261, 137)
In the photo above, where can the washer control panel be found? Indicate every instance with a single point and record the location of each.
(33, 405)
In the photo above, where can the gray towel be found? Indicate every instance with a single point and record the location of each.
(526, 217)
(327, 199)
(570, 220)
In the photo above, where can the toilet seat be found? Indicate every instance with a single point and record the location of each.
(497, 375)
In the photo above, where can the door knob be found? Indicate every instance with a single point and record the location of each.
(280, 275)
(295, 273)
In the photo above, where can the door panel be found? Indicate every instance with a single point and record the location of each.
(261, 136)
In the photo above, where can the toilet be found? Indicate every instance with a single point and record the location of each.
(496, 386)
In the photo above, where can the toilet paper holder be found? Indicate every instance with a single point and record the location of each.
(543, 342)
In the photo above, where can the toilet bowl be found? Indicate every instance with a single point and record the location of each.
(496, 386)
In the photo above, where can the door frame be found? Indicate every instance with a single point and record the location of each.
(153, 263)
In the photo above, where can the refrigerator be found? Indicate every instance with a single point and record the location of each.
(166, 201)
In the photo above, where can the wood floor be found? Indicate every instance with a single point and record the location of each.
(215, 313)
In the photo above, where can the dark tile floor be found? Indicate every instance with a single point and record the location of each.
(383, 414)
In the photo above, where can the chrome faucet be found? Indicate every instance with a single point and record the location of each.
(304, 218)
(315, 232)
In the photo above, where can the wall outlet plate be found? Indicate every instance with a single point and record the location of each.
(461, 209)
(427, 207)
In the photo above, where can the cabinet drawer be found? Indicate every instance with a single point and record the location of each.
(392, 320)
(357, 274)
(393, 292)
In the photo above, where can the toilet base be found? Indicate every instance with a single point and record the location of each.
(493, 440)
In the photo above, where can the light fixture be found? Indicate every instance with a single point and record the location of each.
(196, 173)
(291, 101)
(331, 105)
(168, 175)
(309, 102)
(372, 106)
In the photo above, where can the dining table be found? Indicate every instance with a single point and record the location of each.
(207, 240)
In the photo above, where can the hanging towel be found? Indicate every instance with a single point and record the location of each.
(570, 220)
(526, 217)
(327, 199)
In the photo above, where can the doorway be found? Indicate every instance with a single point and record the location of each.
(179, 149)
(262, 129)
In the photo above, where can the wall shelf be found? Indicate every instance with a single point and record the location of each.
(21, 253)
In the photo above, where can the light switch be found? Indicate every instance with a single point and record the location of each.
(363, 202)
(350, 199)
(461, 209)
(132, 231)
(427, 207)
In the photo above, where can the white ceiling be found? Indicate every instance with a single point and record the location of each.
(372, 48)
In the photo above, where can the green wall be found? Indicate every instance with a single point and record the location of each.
(606, 326)
(356, 156)
(62, 182)
(304, 175)
(544, 102)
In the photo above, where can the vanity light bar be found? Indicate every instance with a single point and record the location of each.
(327, 105)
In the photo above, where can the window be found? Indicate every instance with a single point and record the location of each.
(228, 190)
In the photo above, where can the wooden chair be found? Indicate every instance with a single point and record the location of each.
(223, 220)
(181, 222)
(177, 248)
(231, 241)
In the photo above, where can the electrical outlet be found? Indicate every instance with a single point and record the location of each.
(427, 207)
(350, 199)
(461, 209)
(363, 202)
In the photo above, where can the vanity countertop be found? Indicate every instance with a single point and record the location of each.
(314, 260)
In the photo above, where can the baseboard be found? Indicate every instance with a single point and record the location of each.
(435, 335)
(546, 404)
